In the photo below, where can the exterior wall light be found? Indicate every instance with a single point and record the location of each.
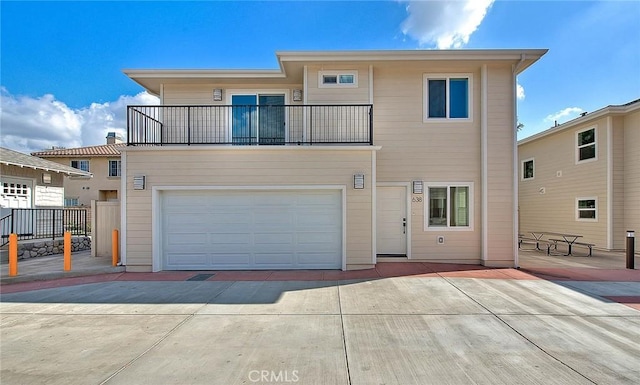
(358, 181)
(417, 187)
(297, 95)
(217, 95)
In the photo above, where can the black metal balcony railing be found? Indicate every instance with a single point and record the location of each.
(43, 223)
(250, 124)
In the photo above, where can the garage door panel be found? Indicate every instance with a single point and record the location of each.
(241, 260)
(274, 259)
(188, 259)
(222, 229)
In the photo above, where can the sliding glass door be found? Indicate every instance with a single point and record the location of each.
(258, 119)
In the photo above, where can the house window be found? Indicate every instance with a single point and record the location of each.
(527, 169)
(587, 209)
(449, 206)
(114, 167)
(447, 97)
(80, 164)
(337, 79)
(71, 202)
(586, 145)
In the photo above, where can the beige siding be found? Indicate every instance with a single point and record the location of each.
(29, 173)
(563, 181)
(338, 95)
(432, 152)
(618, 231)
(88, 189)
(500, 173)
(289, 166)
(202, 94)
(632, 174)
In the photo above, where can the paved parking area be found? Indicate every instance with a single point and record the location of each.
(436, 326)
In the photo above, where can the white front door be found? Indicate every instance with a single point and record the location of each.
(391, 220)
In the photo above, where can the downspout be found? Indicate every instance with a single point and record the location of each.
(484, 123)
(516, 260)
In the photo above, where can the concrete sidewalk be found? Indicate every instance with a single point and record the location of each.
(557, 320)
(410, 324)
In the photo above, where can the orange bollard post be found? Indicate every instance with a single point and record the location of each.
(67, 251)
(114, 247)
(13, 255)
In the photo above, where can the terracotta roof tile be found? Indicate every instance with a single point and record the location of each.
(103, 150)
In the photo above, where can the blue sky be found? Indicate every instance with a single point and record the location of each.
(61, 62)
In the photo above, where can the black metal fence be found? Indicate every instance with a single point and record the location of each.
(250, 124)
(43, 223)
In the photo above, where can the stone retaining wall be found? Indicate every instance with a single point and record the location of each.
(50, 247)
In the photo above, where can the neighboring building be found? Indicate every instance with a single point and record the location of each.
(337, 160)
(102, 161)
(30, 182)
(583, 177)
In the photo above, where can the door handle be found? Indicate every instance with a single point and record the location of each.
(404, 225)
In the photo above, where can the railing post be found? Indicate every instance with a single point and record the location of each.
(189, 126)
(53, 223)
(371, 125)
(13, 229)
(310, 125)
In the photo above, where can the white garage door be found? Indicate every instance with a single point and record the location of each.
(248, 229)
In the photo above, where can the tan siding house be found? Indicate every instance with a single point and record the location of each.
(582, 177)
(337, 160)
(102, 161)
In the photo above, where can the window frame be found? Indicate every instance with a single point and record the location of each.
(119, 168)
(78, 161)
(448, 185)
(522, 169)
(72, 199)
(594, 144)
(447, 77)
(338, 74)
(595, 209)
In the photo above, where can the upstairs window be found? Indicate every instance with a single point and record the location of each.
(527, 169)
(337, 79)
(114, 168)
(586, 145)
(80, 164)
(447, 97)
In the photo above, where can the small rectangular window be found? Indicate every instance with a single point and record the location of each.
(114, 168)
(80, 164)
(587, 209)
(527, 169)
(586, 148)
(447, 97)
(337, 79)
(71, 202)
(449, 207)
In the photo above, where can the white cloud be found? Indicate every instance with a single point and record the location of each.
(447, 23)
(564, 115)
(520, 92)
(33, 124)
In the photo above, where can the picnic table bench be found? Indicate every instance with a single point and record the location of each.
(569, 239)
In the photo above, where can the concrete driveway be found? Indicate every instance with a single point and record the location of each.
(442, 327)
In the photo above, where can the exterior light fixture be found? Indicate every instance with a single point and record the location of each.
(297, 95)
(217, 95)
(417, 187)
(139, 182)
(358, 181)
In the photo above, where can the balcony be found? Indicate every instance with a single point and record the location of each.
(250, 125)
